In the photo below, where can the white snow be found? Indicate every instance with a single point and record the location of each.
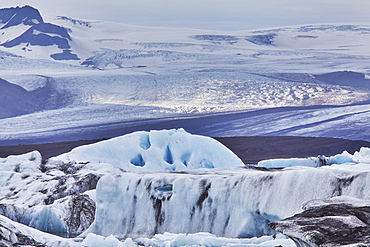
(24, 163)
(156, 151)
(93, 240)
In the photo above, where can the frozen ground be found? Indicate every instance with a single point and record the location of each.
(130, 78)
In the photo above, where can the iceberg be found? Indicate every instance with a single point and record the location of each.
(174, 150)
(362, 156)
(236, 202)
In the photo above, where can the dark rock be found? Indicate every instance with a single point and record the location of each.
(46, 36)
(263, 39)
(81, 214)
(344, 78)
(65, 55)
(338, 221)
(15, 16)
(38, 34)
(80, 185)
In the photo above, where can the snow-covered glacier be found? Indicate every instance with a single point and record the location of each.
(127, 74)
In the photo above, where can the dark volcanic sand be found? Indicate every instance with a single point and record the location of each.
(250, 149)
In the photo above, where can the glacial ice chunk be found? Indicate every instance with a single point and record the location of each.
(174, 150)
(208, 239)
(232, 202)
(93, 240)
(362, 156)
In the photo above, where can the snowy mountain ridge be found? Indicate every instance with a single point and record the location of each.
(24, 28)
(25, 33)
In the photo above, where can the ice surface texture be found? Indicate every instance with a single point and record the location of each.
(233, 202)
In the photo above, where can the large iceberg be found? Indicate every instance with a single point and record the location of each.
(174, 150)
(233, 202)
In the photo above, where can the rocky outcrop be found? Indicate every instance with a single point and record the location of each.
(37, 32)
(339, 221)
(81, 214)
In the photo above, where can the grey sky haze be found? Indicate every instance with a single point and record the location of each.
(206, 14)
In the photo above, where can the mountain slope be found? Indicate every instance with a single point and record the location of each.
(23, 28)
(16, 100)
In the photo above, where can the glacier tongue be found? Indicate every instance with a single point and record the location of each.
(233, 202)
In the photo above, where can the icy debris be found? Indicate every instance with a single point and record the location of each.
(201, 239)
(362, 156)
(29, 162)
(47, 195)
(207, 240)
(93, 240)
(39, 205)
(174, 150)
(281, 163)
